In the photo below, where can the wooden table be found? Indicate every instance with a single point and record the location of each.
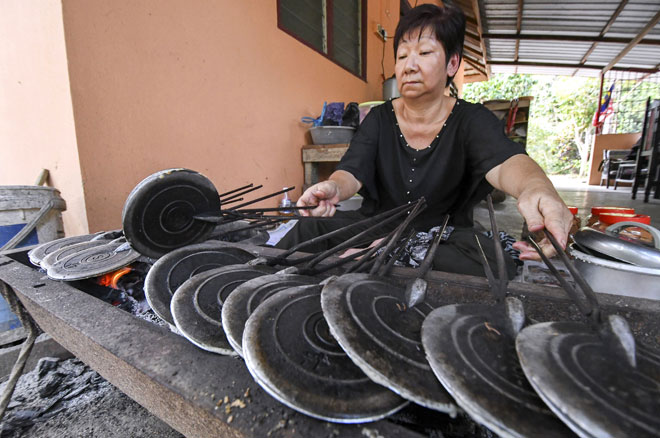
(313, 154)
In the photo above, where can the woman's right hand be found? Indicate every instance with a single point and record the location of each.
(325, 195)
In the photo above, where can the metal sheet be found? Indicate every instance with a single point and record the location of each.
(583, 20)
(173, 269)
(369, 318)
(197, 304)
(37, 254)
(240, 304)
(475, 359)
(94, 261)
(575, 374)
(67, 251)
(158, 215)
(291, 354)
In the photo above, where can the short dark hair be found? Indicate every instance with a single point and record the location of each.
(448, 24)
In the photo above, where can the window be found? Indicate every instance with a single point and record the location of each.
(334, 28)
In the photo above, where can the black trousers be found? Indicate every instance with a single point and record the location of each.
(459, 254)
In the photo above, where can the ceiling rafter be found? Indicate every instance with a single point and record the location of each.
(480, 29)
(646, 29)
(500, 29)
(475, 53)
(602, 33)
(476, 66)
(472, 39)
(574, 38)
(572, 65)
(518, 27)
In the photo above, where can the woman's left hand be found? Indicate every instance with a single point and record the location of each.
(541, 207)
(538, 202)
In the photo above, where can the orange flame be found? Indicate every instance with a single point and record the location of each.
(112, 278)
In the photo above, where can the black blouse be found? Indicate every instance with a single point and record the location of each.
(449, 173)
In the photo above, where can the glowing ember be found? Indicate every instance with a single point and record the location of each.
(112, 278)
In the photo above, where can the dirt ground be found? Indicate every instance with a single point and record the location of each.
(65, 398)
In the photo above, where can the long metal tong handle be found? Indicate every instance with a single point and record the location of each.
(415, 292)
(395, 212)
(317, 269)
(254, 201)
(589, 305)
(427, 264)
(314, 259)
(350, 242)
(419, 206)
(498, 287)
(396, 253)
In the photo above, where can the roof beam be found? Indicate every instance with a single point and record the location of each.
(476, 66)
(642, 78)
(472, 39)
(480, 29)
(576, 38)
(605, 29)
(633, 43)
(518, 26)
(556, 64)
(471, 51)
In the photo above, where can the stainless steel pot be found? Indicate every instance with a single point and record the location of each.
(617, 278)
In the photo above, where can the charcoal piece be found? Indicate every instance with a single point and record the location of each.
(13, 404)
(23, 418)
(46, 365)
(51, 384)
(55, 402)
(78, 370)
(53, 413)
(96, 379)
(77, 392)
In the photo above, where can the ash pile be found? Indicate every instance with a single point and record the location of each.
(65, 398)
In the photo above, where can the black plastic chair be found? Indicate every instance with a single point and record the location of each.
(612, 159)
(648, 152)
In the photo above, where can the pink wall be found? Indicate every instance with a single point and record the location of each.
(36, 118)
(608, 141)
(212, 86)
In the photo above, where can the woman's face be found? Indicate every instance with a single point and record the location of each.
(421, 67)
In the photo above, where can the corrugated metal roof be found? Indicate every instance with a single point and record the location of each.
(571, 37)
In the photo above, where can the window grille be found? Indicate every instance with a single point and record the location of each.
(629, 93)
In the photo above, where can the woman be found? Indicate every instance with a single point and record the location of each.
(429, 144)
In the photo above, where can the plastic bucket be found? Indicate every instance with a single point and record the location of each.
(19, 205)
(8, 321)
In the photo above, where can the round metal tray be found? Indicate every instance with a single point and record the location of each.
(619, 249)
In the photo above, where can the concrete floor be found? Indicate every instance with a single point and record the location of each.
(574, 193)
